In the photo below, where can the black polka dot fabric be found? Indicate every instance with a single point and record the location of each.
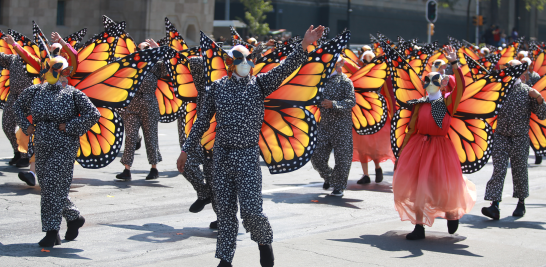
(51, 105)
(334, 132)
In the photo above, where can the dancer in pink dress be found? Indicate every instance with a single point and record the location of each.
(374, 147)
(428, 180)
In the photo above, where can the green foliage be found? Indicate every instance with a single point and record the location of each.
(254, 15)
(539, 4)
(447, 3)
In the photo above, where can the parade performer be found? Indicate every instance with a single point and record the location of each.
(372, 147)
(428, 180)
(334, 131)
(511, 144)
(200, 180)
(238, 102)
(61, 114)
(19, 80)
(143, 111)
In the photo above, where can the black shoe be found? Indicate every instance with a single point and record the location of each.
(492, 212)
(125, 175)
(452, 226)
(73, 227)
(337, 193)
(378, 175)
(214, 225)
(16, 157)
(519, 211)
(224, 263)
(51, 239)
(418, 233)
(199, 204)
(22, 163)
(538, 159)
(364, 180)
(326, 185)
(266, 255)
(139, 143)
(28, 178)
(154, 174)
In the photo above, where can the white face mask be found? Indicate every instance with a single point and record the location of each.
(433, 82)
(243, 69)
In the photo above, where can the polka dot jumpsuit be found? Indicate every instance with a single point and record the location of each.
(200, 180)
(334, 132)
(143, 111)
(511, 142)
(239, 107)
(56, 150)
(19, 81)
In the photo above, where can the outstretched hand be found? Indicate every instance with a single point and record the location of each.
(152, 42)
(311, 35)
(451, 54)
(9, 39)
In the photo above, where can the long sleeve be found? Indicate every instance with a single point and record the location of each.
(27, 57)
(88, 115)
(201, 125)
(349, 101)
(21, 107)
(538, 109)
(197, 68)
(453, 100)
(5, 60)
(72, 57)
(272, 80)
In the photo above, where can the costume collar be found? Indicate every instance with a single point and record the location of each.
(438, 107)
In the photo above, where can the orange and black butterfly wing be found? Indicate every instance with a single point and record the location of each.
(174, 38)
(29, 46)
(273, 59)
(108, 22)
(472, 139)
(489, 62)
(370, 112)
(406, 83)
(540, 64)
(190, 116)
(96, 53)
(4, 73)
(43, 44)
(507, 54)
(75, 38)
(476, 70)
(482, 98)
(101, 144)
(348, 53)
(115, 84)
(213, 55)
(234, 34)
(287, 138)
(437, 55)
(192, 52)
(172, 90)
(315, 110)
(304, 86)
(126, 44)
(537, 127)
(418, 59)
(399, 129)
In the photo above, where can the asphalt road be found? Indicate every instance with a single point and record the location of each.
(147, 223)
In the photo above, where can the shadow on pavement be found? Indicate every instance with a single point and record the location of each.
(118, 183)
(161, 233)
(396, 241)
(33, 250)
(482, 222)
(312, 198)
(383, 187)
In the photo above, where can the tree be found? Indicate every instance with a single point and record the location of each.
(539, 4)
(255, 15)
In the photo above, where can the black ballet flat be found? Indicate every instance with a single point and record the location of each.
(51, 239)
(364, 180)
(154, 174)
(199, 205)
(125, 175)
(378, 175)
(492, 212)
(28, 178)
(452, 226)
(73, 227)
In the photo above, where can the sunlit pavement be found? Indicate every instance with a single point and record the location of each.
(148, 223)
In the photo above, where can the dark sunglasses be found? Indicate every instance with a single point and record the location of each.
(435, 80)
(238, 58)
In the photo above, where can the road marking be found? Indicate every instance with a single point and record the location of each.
(291, 188)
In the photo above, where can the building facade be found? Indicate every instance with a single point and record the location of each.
(144, 18)
(396, 17)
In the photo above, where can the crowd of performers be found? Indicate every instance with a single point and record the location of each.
(436, 111)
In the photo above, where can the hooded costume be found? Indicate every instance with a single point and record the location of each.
(51, 104)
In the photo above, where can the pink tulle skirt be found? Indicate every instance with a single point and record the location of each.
(428, 180)
(375, 147)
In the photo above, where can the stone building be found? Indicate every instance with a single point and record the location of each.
(396, 17)
(145, 18)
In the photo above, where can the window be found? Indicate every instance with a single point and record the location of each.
(61, 5)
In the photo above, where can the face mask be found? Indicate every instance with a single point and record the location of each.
(53, 70)
(433, 82)
(243, 65)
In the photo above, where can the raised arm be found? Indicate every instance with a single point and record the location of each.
(26, 56)
(272, 80)
(88, 115)
(453, 100)
(69, 50)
